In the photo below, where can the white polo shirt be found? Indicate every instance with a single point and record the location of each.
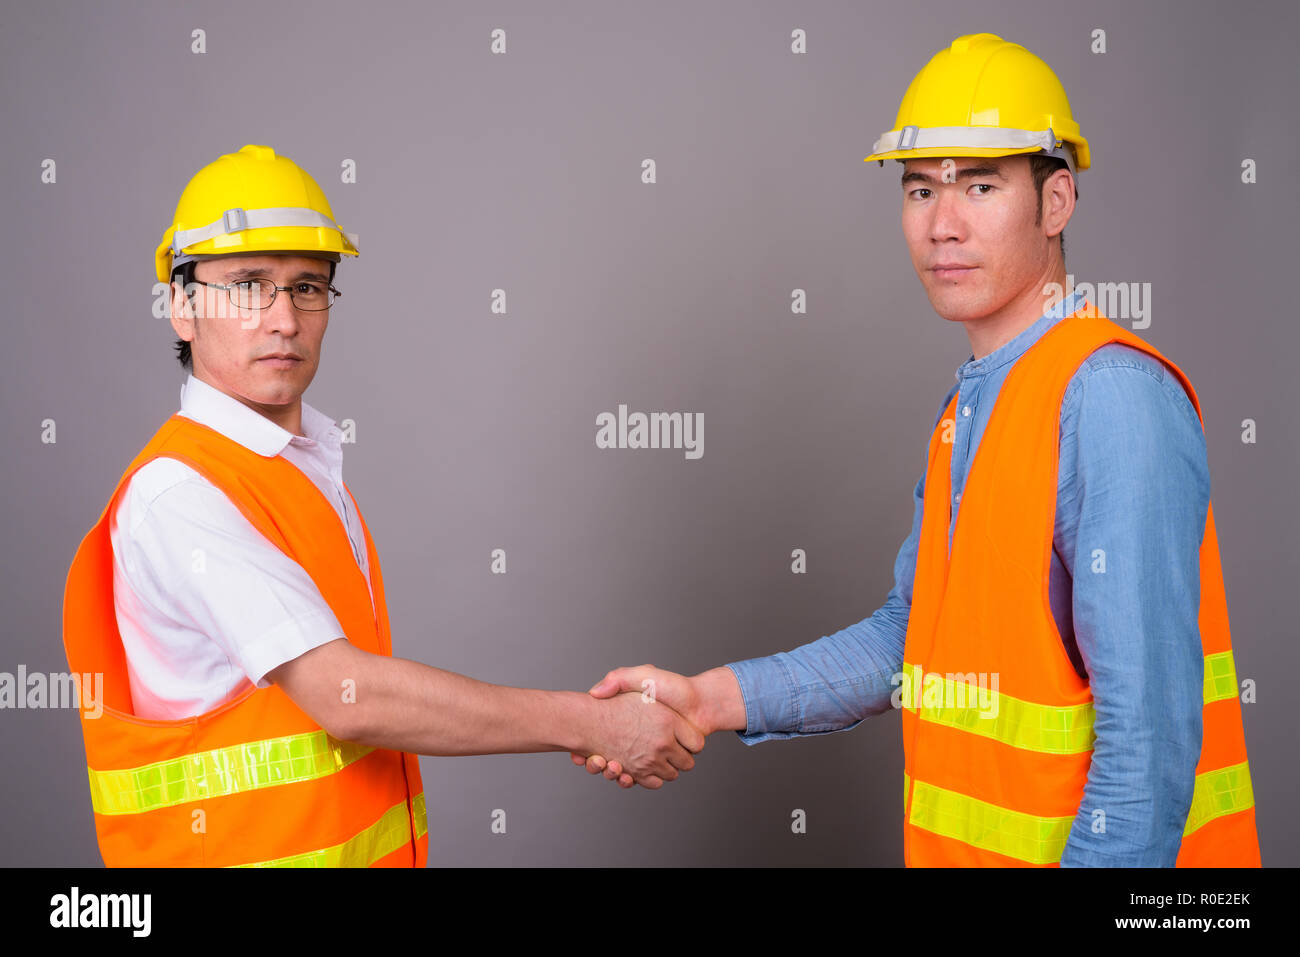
(206, 605)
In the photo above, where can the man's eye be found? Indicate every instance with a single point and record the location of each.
(982, 186)
(921, 190)
(309, 287)
(246, 284)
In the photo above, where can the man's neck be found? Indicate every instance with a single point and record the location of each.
(991, 332)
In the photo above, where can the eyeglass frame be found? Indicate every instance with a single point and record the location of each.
(275, 291)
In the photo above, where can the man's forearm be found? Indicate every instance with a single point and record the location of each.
(828, 685)
(408, 706)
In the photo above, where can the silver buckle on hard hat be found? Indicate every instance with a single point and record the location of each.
(907, 137)
(1061, 150)
(239, 222)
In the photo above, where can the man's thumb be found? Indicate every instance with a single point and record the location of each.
(606, 687)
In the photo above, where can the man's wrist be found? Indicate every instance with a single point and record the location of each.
(578, 722)
(721, 702)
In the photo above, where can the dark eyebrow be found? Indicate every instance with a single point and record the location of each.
(247, 272)
(967, 173)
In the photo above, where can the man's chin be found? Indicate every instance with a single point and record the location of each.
(956, 308)
(281, 393)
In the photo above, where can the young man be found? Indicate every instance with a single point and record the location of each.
(231, 595)
(1063, 661)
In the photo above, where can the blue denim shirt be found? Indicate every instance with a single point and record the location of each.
(1133, 480)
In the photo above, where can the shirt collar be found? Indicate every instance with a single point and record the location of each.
(227, 415)
(1013, 350)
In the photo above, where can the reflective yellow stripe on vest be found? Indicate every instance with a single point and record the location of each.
(1225, 791)
(1220, 677)
(1018, 723)
(1027, 724)
(221, 771)
(1041, 840)
(386, 835)
(1038, 840)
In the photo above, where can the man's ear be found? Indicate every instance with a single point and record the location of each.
(1058, 202)
(182, 312)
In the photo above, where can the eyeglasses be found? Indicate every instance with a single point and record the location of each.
(260, 293)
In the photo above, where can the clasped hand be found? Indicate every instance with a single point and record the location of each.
(660, 741)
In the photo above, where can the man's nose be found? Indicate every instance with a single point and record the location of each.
(947, 220)
(282, 315)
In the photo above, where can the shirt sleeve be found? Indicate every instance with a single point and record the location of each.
(1139, 493)
(833, 683)
(196, 558)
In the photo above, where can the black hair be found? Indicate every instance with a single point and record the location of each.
(184, 275)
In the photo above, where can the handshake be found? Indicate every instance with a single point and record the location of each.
(657, 720)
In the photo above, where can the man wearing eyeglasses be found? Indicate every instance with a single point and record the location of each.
(230, 594)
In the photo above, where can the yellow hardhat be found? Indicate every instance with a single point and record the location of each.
(984, 96)
(249, 202)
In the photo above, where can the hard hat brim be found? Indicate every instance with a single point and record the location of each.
(304, 240)
(936, 152)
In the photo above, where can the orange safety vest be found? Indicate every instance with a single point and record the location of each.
(255, 781)
(994, 776)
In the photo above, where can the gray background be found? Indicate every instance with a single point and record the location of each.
(477, 431)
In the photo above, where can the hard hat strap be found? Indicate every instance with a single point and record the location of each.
(234, 220)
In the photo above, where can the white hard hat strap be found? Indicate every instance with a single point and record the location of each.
(974, 137)
(238, 218)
